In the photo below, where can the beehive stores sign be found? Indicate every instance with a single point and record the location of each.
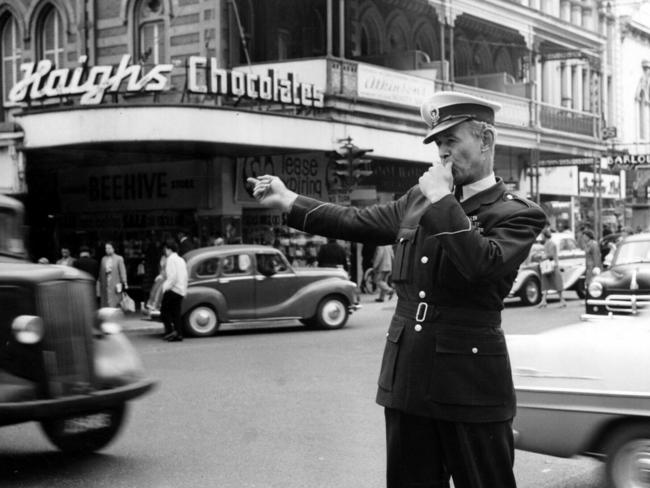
(41, 81)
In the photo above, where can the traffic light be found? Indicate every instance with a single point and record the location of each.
(350, 163)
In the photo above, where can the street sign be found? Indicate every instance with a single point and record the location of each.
(609, 132)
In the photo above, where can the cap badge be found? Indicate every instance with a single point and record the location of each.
(435, 116)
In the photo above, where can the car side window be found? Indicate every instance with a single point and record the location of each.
(208, 267)
(236, 264)
(271, 261)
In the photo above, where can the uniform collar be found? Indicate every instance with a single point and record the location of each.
(478, 186)
(487, 196)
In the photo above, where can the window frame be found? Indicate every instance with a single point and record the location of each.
(14, 59)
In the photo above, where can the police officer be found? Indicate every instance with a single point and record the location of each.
(459, 237)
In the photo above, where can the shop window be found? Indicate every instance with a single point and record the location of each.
(272, 261)
(284, 43)
(151, 32)
(51, 41)
(11, 54)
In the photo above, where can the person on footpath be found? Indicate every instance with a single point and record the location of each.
(174, 289)
(552, 278)
(66, 258)
(112, 277)
(382, 265)
(459, 236)
(593, 263)
(332, 255)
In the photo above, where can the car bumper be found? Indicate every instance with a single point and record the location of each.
(16, 412)
(355, 307)
(617, 303)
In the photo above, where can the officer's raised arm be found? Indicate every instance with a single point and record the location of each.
(271, 192)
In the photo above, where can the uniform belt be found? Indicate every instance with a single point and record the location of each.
(429, 312)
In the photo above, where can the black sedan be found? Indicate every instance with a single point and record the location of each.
(244, 283)
(625, 286)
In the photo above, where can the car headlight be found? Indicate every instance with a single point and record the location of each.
(108, 320)
(28, 329)
(595, 289)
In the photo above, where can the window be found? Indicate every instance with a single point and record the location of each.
(52, 37)
(207, 268)
(274, 263)
(236, 265)
(151, 32)
(11, 55)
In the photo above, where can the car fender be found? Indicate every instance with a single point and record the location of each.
(307, 299)
(521, 278)
(116, 361)
(203, 294)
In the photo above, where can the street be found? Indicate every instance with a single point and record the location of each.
(264, 407)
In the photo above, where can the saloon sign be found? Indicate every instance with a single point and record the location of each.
(41, 81)
(628, 161)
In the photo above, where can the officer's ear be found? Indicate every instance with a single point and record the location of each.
(487, 139)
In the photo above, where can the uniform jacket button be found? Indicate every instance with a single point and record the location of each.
(424, 260)
(418, 328)
(474, 350)
(422, 294)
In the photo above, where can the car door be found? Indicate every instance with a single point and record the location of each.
(236, 282)
(274, 288)
(571, 260)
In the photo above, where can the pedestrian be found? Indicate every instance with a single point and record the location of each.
(66, 258)
(332, 255)
(185, 243)
(593, 262)
(112, 277)
(550, 270)
(156, 293)
(445, 380)
(382, 266)
(174, 289)
(87, 263)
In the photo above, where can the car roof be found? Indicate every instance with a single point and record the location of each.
(643, 236)
(9, 202)
(29, 273)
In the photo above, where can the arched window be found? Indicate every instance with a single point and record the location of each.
(503, 62)
(398, 34)
(426, 40)
(52, 36)
(372, 29)
(11, 54)
(150, 22)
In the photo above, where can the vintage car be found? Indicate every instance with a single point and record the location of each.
(63, 363)
(527, 284)
(244, 283)
(584, 389)
(625, 286)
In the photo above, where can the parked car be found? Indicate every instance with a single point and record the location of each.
(584, 389)
(244, 283)
(625, 286)
(62, 363)
(527, 284)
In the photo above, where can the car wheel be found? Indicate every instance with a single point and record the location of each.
(530, 293)
(332, 313)
(628, 457)
(201, 321)
(84, 433)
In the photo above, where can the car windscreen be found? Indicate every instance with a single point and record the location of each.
(11, 242)
(633, 252)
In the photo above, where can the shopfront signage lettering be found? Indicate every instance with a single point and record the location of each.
(40, 80)
(134, 186)
(386, 85)
(270, 87)
(629, 161)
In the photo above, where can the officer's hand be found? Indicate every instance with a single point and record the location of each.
(271, 192)
(437, 182)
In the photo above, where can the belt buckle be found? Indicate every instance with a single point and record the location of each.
(421, 312)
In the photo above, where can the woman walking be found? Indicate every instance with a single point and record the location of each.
(112, 278)
(550, 270)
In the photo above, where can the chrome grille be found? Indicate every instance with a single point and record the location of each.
(67, 311)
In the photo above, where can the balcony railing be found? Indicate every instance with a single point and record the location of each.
(567, 120)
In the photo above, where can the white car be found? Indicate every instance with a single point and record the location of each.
(527, 284)
(585, 389)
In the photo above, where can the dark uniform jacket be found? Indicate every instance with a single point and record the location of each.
(445, 355)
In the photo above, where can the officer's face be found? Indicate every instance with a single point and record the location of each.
(461, 146)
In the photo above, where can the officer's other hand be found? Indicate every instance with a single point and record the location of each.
(271, 192)
(437, 182)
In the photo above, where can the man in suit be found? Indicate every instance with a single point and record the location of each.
(87, 263)
(185, 243)
(459, 237)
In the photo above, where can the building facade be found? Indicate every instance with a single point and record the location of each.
(127, 120)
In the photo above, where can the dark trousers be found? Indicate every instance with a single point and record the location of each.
(170, 312)
(425, 452)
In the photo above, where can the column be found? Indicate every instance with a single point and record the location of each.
(576, 74)
(565, 10)
(565, 85)
(546, 93)
(576, 15)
